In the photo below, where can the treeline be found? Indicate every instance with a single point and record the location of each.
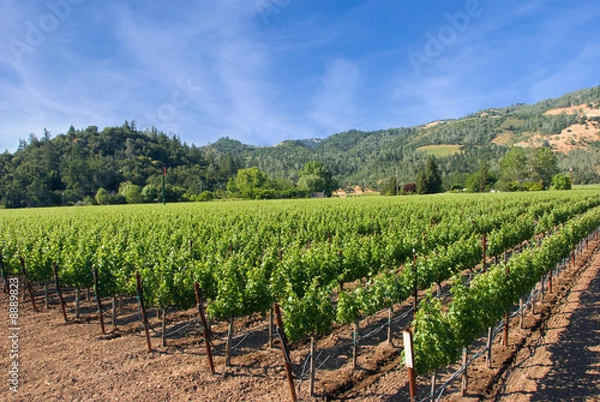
(123, 165)
(519, 169)
(72, 167)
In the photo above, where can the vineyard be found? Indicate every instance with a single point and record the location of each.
(451, 266)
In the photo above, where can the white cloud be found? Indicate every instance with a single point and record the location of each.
(570, 74)
(215, 68)
(335, 106)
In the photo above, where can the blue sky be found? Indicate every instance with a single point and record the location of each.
(262, 71)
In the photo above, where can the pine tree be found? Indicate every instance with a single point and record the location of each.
(482, 179)
(429, 180)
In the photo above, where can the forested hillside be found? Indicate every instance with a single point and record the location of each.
(71, 168)
(365, 158)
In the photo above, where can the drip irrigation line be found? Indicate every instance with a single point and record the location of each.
(304, 370)
(322, 363)
(240, 342)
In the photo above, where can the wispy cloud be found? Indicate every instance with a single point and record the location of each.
(574, 73)
(510, 54)
(208, 69)
(335, 106)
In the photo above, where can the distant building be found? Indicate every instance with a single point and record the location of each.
(320, 194)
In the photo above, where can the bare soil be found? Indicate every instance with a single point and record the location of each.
(555, 356)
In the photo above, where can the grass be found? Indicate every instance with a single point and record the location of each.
(440, 150)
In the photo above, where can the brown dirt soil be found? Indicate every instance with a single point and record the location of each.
(572, 137)
(582, 109)
(74, 362)
(561, 361)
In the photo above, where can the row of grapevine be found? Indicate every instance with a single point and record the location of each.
(440, 333)
(389, 287)
(247, 255)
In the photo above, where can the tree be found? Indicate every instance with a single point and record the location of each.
(131, 192)
(315, 177)
(544, 166)
(312, 183)
(429, 180)
(409, 188)
(150, 193)
(249, 181)
(102, 196)
(561, 182)
(390, 186)
(480, 181)
(483, 177)
(513, 168)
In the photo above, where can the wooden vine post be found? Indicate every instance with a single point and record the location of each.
(465, 373)
(355, 344)
(550, 281)
(27, 284)
(415, 285)
(410, 363)
(521, 313)
(271, 328)
(484, 252)
(4, 279)
(77, 304)
(164, 326)
(488, 356)
(204, 325)
(59, 291)
(389, 333)
(313, 359)
(284, 351)
(114, 312)
(140, 297)
(98, 299)
(229, 342)
(46, 296)
(433, 385)
(506, 315)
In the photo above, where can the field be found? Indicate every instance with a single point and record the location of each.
(344, 272)
(440, 150)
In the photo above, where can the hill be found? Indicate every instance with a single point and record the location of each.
(71, 167)
(569, 125)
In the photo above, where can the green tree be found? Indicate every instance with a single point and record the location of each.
(315, 177)
(249, 181)
(131, 192)
(482, 180)
(312, 183)
(150, 193)
(544, 166)
(390, 186)
(102, 196)
(561, 182)
(429, 180)
(513, 168)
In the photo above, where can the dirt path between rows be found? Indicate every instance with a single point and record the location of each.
(562, 363)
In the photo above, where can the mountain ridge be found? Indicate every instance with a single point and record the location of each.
(72, 167)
